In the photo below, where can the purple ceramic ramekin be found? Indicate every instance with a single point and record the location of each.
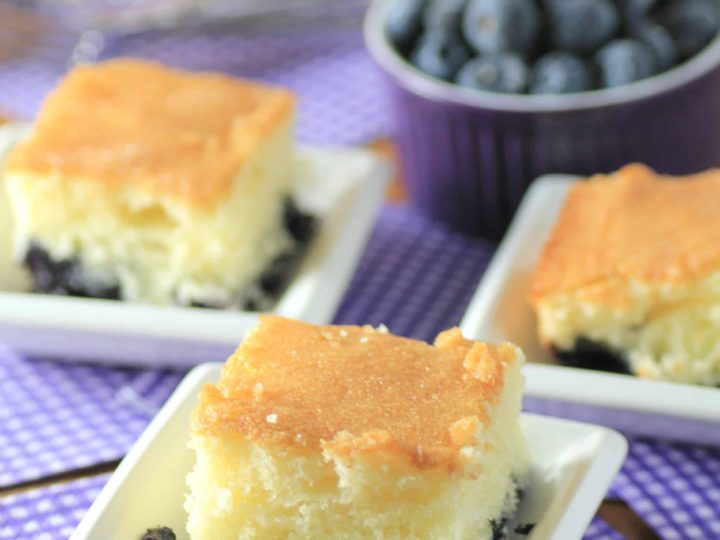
(468, 155)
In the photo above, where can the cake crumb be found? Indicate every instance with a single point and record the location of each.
(464, 431)
(271, 418)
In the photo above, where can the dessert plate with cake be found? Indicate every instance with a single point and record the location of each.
(618, 275)
(149, 208)
(347, 432)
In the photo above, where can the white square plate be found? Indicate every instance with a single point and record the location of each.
(500, 311)
(344, 188)
(573, 465)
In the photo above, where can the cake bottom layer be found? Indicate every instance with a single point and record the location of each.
(69, 278)
(211, 517)
(500, 526)
(240, 490)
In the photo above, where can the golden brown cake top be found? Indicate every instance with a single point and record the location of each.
(356, 391)
(633, 225)
(174, 133)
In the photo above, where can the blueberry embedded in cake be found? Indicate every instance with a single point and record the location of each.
(156, 185)
(629, 279)
(330, 432)
(159, 533)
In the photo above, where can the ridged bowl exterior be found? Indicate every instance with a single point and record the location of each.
(468, 157)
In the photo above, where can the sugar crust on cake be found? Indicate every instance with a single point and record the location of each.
(356, 391)
(632, 225)
(171, 133)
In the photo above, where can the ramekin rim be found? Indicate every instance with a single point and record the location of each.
(426, 86)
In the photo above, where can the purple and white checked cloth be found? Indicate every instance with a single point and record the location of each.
(53, 513)
(341, 97)
(416, 277)
(48, 513)
(59, 417)
(675, 488)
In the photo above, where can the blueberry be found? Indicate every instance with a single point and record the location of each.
(494, 26)
(505, 72)
(159, 533)
(524, 529)
(404, 23)
(251, 305)
(624, 61)
(560, 72)
(301, 225)
(64, 277)
(691, 23)
(582, 26)
(278, 273)
(42, 268)
(661, 43)
(440, 54)
(635, 10)
(500, 529)
(444, 14)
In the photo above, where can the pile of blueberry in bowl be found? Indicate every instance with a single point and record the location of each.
(543, 47)
(488, 95)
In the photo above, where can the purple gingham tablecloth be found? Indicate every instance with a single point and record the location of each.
(52, 513)
(340, 91)
(58, 417)
(416, 277)
(48, 513)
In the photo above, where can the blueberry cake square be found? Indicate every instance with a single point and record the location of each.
(346, 432)
(156, 185)
(630, 276)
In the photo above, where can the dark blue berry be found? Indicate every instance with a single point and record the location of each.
(691, 23)
(500, 529)
(494, 26)
(301, 225)
(278, 273)
(635, 10)
(64, 277)
(524, 529)
(659, 41)
(505, 72)
(440, 54)
(582, 26)
(624, 61)
(159, 533)
(444, 14)
(404, 23)
(560, 72)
